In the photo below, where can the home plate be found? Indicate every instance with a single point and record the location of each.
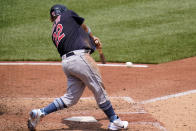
(81, 119)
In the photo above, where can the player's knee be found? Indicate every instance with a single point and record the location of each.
(70, 101)
(59, 104)
(73, 102)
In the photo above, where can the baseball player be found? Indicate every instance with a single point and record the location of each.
(75, 42)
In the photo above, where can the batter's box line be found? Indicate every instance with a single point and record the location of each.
(125, 98)
(167, 97)
(155, 124)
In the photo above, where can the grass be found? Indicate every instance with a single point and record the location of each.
(141, 31)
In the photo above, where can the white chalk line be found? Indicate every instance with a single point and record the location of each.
(58, 64)
(155, 124)
(167, 97)
(125, 98)
(122, 65)
(28, 63)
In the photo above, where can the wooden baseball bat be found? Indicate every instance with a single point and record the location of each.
(101, 55)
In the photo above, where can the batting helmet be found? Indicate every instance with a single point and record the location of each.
(57, 10)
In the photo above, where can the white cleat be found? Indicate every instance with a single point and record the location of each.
(35, 117)
(118, 125)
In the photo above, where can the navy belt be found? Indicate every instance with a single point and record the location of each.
(72, 53)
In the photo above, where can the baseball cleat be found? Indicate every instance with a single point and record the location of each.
(118, 125)
(35, 117)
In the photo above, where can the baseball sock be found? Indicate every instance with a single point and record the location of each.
(58, 104)
(49, 109)
(111, 114)
(109, 111)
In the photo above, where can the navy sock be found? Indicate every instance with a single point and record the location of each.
(111, 114)
(114, 117)
(49, 109)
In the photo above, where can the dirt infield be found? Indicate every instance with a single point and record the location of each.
(160, 97)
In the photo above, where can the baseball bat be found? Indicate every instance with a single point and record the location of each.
(101, 55)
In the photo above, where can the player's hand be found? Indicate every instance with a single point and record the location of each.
(97, 42)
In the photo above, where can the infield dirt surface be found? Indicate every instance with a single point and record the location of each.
(23, 88)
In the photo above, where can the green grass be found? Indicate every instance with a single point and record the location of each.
(141, 31)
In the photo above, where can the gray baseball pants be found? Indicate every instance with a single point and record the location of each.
(81, 70)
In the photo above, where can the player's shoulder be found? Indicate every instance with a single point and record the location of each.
(68, 13)
(73, 13)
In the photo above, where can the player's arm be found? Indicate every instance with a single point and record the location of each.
(97, 43)
(96, 39)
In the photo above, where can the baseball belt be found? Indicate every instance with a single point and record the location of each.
(75, 52)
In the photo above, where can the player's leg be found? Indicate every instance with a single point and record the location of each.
(93, 80)
(85, 68)
(75, 88)
(74, 91)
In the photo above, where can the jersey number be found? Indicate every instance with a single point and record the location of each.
(58, 35)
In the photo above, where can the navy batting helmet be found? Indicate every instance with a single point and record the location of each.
(57, 10)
